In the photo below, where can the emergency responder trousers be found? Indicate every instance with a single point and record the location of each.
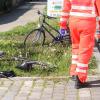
(82, 36)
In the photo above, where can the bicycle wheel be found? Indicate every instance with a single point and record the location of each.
(97, 44)
(29, 65)
(34, 40)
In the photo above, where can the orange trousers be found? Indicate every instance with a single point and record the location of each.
(82, 36)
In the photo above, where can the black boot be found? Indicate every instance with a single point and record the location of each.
(79, 84)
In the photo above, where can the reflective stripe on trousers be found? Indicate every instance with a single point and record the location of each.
(82, 36)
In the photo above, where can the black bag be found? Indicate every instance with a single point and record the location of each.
(5, 74)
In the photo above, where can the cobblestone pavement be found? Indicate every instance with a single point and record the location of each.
(36, 88)
(59, 88)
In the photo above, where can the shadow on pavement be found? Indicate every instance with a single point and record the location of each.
(12, 16)
(93, 84)
(16, 13)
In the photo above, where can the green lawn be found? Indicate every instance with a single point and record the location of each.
(12, 43)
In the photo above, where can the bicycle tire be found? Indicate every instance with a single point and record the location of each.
(33, 40)
(97, 44)
(29, 65)
(43, 65)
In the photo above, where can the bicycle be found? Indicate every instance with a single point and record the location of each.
(39, 35)
(97, 34)
(28, 64)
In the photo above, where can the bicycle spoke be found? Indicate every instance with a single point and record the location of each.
(34, 40)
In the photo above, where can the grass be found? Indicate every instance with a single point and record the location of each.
(12, 43)
(54, 56)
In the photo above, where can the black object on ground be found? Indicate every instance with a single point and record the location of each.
(6, 74)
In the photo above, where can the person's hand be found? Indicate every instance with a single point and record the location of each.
(64, 32)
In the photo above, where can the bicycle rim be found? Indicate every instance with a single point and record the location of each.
(44, 65)
(34, 41)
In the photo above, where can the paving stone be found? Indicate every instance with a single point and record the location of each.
(0, 82)
(47, 93)
(85, 98)
(20, 98)
(3, 88)
(9, 96)
(31, 98)
(12, 91)
(39, 89)
(2, 93)
(46, 97)
(70, 91)
(58, 98)
(85, 92)
(71, 97)
(35, 96)
(39, 81)
(96, 97)
(7, 83)
(28, 83)
(36, 89)
(95, 91)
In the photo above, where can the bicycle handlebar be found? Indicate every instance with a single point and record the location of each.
(39, 13)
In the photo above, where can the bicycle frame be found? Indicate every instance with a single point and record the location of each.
(44, 28)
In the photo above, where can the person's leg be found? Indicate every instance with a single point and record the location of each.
(75, 46)
(85, 49)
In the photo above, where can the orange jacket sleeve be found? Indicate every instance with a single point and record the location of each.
(65, 14)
